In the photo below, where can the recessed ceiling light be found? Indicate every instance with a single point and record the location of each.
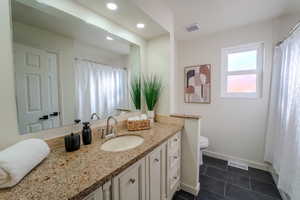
(112, 6)
(109, 38)
(140, 25)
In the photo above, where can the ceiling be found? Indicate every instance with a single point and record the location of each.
(59, 22)
(212, 15)
(127, 16)
(217, 15)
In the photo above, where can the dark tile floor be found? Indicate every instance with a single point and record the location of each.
(218, 181)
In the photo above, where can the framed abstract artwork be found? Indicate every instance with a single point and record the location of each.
(197, 84)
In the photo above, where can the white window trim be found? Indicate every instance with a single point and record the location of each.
(259, 70)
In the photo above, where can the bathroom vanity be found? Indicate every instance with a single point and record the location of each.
(151, 171)
(154, 177)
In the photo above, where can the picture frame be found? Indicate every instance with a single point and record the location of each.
(197, 84)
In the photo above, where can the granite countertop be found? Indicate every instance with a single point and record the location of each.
(63, 175)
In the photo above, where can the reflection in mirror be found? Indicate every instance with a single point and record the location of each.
(67, 69)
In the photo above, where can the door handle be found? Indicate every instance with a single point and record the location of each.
(45, 117)
(54, 114)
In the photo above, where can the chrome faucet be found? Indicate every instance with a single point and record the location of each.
(95, 115)
(110, 131)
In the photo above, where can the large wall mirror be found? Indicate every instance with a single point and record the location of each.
(67, 69)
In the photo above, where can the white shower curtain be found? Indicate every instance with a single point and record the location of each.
(283, 131)
(99, 89)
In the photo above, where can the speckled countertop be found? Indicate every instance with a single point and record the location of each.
(63, 176)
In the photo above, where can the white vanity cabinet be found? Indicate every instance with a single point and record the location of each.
(173, 165)
(131, 184)
(156, 173)
(154, 177)
(96, 195)
(102, 193)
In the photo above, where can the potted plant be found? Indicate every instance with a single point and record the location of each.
(135, 92)
(152, 87)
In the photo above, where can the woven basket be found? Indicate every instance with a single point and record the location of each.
(138, 125)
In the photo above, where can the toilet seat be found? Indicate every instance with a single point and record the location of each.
(203, 142)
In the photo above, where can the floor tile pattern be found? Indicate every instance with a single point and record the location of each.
(218, 181)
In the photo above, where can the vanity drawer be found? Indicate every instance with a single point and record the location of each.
(174, 160)
(174, 143)
(174, 178)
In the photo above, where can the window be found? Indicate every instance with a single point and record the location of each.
(242, 71)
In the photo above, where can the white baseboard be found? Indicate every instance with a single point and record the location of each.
(253, 164)
(190, 189)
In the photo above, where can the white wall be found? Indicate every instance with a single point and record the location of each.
(235, 127)
(158, 62)
(283, 24)
(8, 117)
(160, 12)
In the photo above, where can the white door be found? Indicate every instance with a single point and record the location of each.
(33, 89)
(52, 63)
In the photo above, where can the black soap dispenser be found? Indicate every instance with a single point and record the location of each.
(86, 133)
(72, 142)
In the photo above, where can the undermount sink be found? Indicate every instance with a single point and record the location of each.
(122, 143)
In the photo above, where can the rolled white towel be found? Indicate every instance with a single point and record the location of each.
(18, 160)
(3, 176)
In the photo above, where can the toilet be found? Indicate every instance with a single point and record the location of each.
(204, 143)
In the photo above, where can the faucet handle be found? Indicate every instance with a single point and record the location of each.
(112, 129)
(101, 131)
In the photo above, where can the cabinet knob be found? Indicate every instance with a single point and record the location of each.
(175, 157)
(175, 140)
(156, 160)
(132, 180)
(175, 177)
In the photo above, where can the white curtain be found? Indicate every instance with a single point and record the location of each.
(283, 131)
(99, 89)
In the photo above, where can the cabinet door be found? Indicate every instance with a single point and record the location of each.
(130, 184)
(156, 173)
(94, 195)
(106, 191)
